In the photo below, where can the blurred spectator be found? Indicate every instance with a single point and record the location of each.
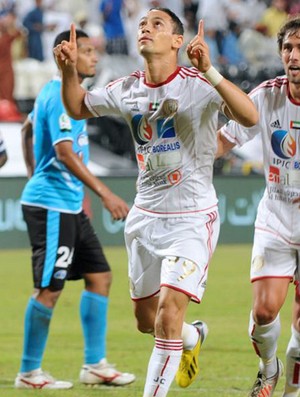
(190, 29)
(34, 23)
(94, 30)
(9, 32)
(55, 21)
(215, 16)
(9, 111)
(294, 7)
(111, 12)
(273, 18)
(6, 7)
(262, 38)
(232, 53)
(135, 10)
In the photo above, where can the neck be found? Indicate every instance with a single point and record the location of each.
(158, 70)
(295, 91)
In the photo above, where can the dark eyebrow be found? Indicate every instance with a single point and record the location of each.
(154, 18)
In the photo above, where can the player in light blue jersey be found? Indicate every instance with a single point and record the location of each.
(64, 243)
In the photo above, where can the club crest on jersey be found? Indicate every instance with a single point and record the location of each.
(283, 144)
(170, 107)
(82, 140)
(64, 122)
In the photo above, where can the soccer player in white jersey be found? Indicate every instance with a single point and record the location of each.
(276, 248)
(172, 228)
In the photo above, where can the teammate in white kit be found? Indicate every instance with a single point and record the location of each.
(172, 229)
(276, 248)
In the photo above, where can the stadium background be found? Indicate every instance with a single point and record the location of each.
(238, 176)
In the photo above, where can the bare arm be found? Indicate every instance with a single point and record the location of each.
(114, 204)
(72, 92)
(238, 106)
(3, 159)
(27, 146)
(224, 146)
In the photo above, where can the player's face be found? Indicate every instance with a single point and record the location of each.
(155, 34)
(290, 55)
(87, 58)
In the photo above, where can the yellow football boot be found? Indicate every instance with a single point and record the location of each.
(189, 364)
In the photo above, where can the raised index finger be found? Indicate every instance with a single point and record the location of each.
(201, 28)
(73, 34)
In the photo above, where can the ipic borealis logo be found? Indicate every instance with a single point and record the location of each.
(283, 144)
(143, 130)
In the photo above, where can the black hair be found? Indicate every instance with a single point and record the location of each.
(178, 25)
(66, 36)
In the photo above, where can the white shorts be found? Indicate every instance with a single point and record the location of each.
(173, 252)
(273, 257)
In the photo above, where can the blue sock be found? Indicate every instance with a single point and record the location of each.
(93, 314)
(36, 329)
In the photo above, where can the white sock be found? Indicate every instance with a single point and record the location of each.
(162, 367)
(264, 339)
(292, 384)
(190, 336)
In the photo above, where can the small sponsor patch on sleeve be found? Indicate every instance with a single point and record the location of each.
(65, 122)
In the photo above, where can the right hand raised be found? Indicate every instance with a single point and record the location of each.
(66, 52)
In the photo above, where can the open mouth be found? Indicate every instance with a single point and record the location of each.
(294, 68)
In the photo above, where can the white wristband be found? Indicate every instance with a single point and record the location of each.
(213, 76)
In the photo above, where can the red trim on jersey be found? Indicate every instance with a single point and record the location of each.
(269, 276)
(192, 72)
(209, 227)
(277, 235)
(233, 139)
(115, 81)
(170, 78)
(193, 297)
(278, 82)
(175, 213)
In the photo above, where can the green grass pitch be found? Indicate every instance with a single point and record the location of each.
(228, 363)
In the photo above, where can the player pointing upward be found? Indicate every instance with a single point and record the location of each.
(172, 229)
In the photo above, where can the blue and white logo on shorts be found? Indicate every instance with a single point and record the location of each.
(60, 274)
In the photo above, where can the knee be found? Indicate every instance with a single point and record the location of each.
(145, 321)
(99, 283)
(145, 325)
(145, 328)
(168, 322)
(47, 297)
(263, 315)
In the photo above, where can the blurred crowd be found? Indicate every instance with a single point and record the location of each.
(241, 35)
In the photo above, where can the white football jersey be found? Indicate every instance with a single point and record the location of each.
(279, 126)
(173, 125)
